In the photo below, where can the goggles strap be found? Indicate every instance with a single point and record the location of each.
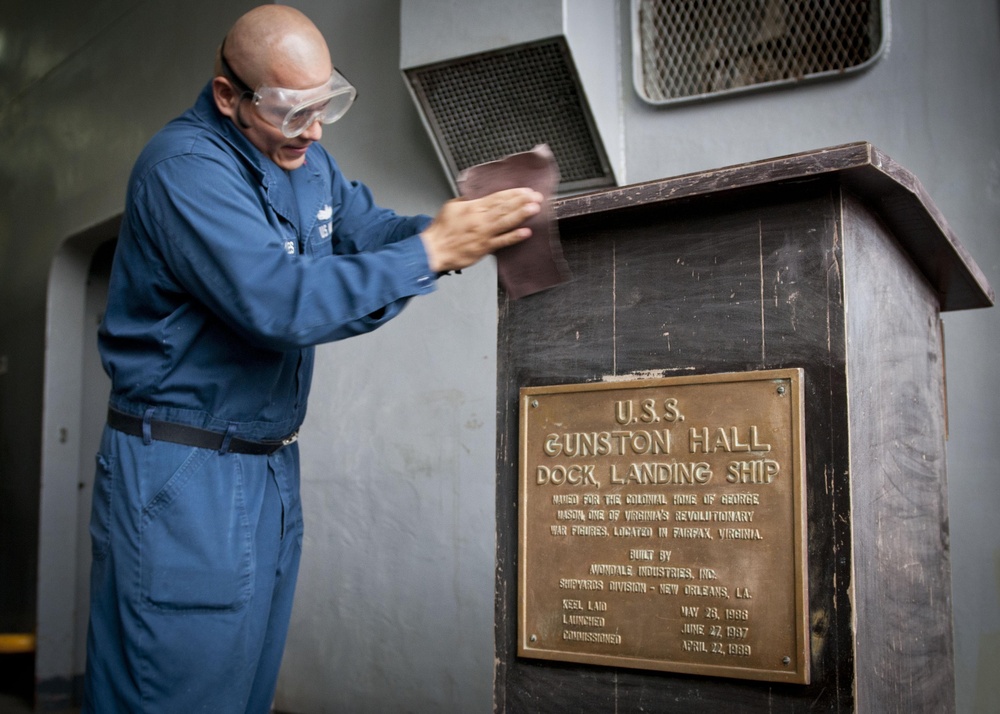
(231, 75)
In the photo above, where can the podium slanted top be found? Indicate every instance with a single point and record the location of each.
(894, 194)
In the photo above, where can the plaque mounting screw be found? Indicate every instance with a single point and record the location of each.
(534, 402)
(781, 391)
(786, 661)
(534, 638)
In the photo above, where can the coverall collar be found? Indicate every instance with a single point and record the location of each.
(276, 181)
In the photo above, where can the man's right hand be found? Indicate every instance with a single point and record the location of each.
(466, 230)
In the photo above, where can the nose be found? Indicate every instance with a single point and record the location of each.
(314, 132)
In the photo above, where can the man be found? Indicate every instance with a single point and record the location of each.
(241, 247)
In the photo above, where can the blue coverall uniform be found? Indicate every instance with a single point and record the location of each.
(227, 271)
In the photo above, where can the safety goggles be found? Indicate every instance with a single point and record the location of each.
(295, 110)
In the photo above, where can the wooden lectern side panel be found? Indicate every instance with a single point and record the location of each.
(902, 574)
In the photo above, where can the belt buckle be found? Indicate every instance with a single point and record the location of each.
(290, 439)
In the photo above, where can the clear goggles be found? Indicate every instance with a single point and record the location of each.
(295, 110)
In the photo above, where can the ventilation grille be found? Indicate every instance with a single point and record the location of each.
(484, 107)
(694, 48)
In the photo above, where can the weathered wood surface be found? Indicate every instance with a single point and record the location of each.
(902, 573)
(752, 284)
(785, 263)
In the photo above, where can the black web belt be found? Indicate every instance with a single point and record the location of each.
(192, 435)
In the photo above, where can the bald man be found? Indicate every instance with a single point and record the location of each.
(242, 246)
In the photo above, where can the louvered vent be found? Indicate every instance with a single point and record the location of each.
(689, 49)
(483, 107)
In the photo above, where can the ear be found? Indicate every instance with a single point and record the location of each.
(227, 99)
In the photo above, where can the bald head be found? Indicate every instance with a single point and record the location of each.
(278, 46)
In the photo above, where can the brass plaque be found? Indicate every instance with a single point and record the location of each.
(662, 525)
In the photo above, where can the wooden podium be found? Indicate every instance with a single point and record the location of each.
(825, 271)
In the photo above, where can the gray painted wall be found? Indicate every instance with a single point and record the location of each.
(395, 603)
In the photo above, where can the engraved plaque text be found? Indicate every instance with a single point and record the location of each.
(662, 525)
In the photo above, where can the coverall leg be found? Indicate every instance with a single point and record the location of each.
(195, 557)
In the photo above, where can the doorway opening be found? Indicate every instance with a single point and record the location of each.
(74, 410)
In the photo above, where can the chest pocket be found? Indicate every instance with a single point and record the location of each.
(321, 235)
(315, 207)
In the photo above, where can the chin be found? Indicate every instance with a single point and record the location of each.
(290, 164)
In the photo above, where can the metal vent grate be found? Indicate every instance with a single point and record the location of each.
(695, 48)
(483, 107)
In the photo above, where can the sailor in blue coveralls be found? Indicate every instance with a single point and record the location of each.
(242, 246)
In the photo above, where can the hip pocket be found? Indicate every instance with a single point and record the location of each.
(196, 541)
